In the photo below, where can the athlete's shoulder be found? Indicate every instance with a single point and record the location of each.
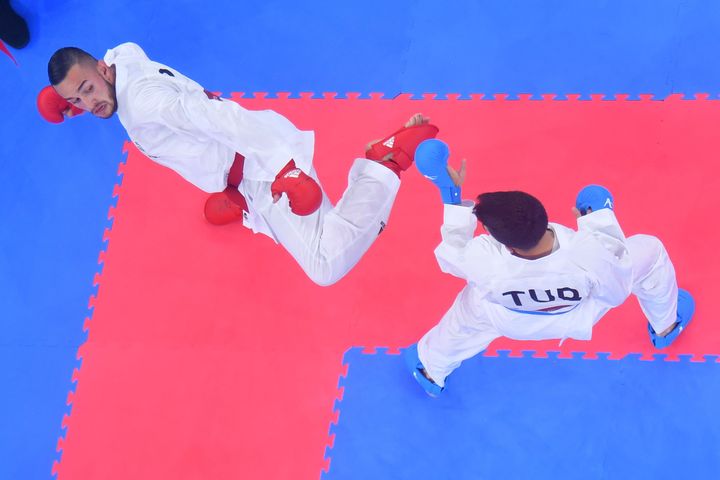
(482, 259)
(125, 51)
(559, 227)
(147, 96)
(484, 245)
(565, 235)
(148, 85)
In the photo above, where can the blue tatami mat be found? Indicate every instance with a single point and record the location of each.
(529, 417)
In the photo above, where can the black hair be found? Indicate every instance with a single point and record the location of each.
(63, 60)
(515, 219)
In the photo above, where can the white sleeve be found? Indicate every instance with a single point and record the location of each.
(259, 133)
(612, 266)
(457, 231)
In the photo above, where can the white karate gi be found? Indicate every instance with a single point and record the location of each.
(172, 121)
(561, 295)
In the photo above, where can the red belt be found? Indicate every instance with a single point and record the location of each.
(236, 171)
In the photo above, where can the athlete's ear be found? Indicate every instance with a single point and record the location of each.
(104, 70)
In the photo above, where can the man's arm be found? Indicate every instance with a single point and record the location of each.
(611, 261)
(613, 268)
(264, 133)
(457, 231)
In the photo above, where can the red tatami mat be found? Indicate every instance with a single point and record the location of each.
(210, 355)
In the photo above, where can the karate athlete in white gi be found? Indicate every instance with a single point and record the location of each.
(257, 164)
(528, 279)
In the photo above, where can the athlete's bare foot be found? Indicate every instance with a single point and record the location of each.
(417, 119)
(667, 330)
(426, 375)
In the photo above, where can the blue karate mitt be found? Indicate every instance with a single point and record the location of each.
(431, 159)
(595, 197)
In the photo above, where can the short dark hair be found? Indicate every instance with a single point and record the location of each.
(515, 219)
(63, 60)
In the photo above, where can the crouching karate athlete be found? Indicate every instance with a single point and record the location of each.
(528, 279)
(257, 164)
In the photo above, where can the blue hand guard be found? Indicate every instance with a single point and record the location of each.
(595, 197)
(431, 158)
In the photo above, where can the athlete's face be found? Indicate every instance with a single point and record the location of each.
(90, 86)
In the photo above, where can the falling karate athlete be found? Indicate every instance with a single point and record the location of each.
(246, 159)
(533, 280)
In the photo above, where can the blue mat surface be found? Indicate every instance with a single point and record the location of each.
(36, 391)
(518, 418)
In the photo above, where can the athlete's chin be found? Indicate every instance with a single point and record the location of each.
(105, 111)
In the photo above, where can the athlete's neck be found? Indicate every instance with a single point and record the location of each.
(542, 249)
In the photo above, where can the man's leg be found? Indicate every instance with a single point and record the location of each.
(654, 282)
(329, 242)
(462, 333)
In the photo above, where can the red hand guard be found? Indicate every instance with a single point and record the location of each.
(225, 207)
(53, 107)
(303, 192)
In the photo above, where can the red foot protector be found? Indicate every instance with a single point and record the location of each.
(402, 144)
(210, 353)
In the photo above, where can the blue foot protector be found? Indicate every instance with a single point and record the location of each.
(431, 159)
(412, 360)
(685, 310)
(595, 197)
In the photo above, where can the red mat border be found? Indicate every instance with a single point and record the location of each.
(391, 350)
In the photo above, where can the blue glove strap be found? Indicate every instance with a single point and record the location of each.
(595, 197)
(450, 195)
(431, 158)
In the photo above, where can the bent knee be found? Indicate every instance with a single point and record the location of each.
(324, 277)
(323, 281)
(643, 245)
(651, 262)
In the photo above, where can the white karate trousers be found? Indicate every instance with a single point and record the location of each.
(328, 243)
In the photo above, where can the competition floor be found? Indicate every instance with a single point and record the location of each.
(238, 355)
(206, 353)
